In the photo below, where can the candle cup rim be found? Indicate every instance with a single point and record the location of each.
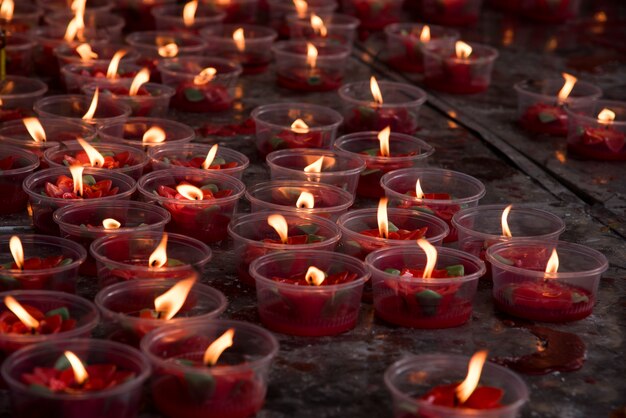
(261, 111)
(473, 211)
(174, 12)
(24, 42)
(373, 136)
(365, 86)
(459, 201)
(163, 123)
(573, 114)
(61, 122)
(66, 52)
(280, 48)
(390, 30)
(135, 40)
(522, 88)
(72, 69)
(313, 5)
(242, 160)
(123, 110)
(166, 91)
(491, 54)
(350, 22)
(103, 6)
(235, 69)
(40, 87)
(269, 159)
(57, 33)
(114, 22)
(217, 34)
(32, 10)
(31, 157)
(395, 243)
(47, 240)
(589, 252)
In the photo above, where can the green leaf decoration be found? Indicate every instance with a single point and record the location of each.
(308, 229)
(579, 297)
(395, 272)
(89, 180)
(429, 301)
(456, 270)
(62, 363)
(372, 151)
(62, 311)
(392, 227)
(368, 172)
(546, 117)
(172, 262)
(311, 238)
(65, 262)
(503, 260)
(194, 95)
(212, 187)
(425, 210)
(276, 142)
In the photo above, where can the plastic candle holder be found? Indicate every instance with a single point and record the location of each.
(283, 195)
(15, 165)
(451, 12)
(279, 10)
(183, 387)
(445, 72)
(101, 25)
(131, 132)
(399, 110)
(19, 50)
(539, 109)
(18, 96)
(405, 151)
(404, 44)
(277, 126)
(289, 305)
(125, 257)
(152, 99)
(414, 302)
(340, 170)
(253, 237)
(295, 71)
(374, 15)
(441, 369)
(93, 6)
(254, 54)
(77, 75)
(25, 17)
(169, 17)
(205, 219)
(137, 13)
(215, 94)
(589, 138)
(227, 161)
(237, 11)
(446, 192)
(66, 54)
(78, 318)
(83, 223)
(123, 306)
(339, 28)
(557, 11)
(44, 205)
(51, 264)
(73, 107)
(121, 400)
(522, 288)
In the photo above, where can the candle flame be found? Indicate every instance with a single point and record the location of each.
(142, 77)
(93, 106)
(110, 223)
(95, 158)
(299, 126)
(311, 55)
(301, 7)
(314, 276)
(205, 76)
(169, 50)
(169, 303)
(506, 231)
(375, 89)
(35, 129)
(419, 193)
(425, 35)
(85, 52)
(570, 80)
(80, 373)
(76, 26)
(77, 177)
(21, 313)
(314, 167)
(190, 192)
(553, 263)
(240, 41)
(306, 200)
(474, 370)
(600, 17)
(17, 251)
(217, 347)
(279, 223)
(154, 135)
(318, 26)
(462, 49)
(383, 138)
(115, 63)
(381, 217)
(210, 156)
(158, 258)
(189, 13)
(6, 10)
(431, 257)
(606, 116)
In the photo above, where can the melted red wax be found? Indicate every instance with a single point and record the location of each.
(545, 119)
(7, 163)
(171, 192)
(196, 162)
(65, 185)
(603, 143)
(333, 279)
(37, 263)
(10, 324)
(400, 234)
(101, 376)
(483, 397)
(247, 127)
(121, 159)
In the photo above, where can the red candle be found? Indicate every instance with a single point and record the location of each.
(191, 97)
(374, 14)
(299, 136)
(603, 141)
(86, 188)
(28, 320)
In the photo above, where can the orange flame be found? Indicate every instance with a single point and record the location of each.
(35, 129)
(110, 223)
(21, 313)
(80, 373)
(17, 251)
(85, 52)
(570, 81)
(6, 10)
(210, 156)
(419, 193)
(301, 7)
(77, 25)
(306, 200)
(318, 26)
(506, 231)
(383, 138)
(169, 303)
(240, 41)
(375, 89)
(115, 63)
(169, 50)
(142, 77)
(93, 106)
(606, 116)
(474, 370)
(189, 13)
(77, 177)
(158, 258)
(95, 158)
(431, 257)
(190, 192)
(425, 35)
(381, 217)
(463, 50)
(154, 135)
(217, 347)
(314, 167)
(299, 126)
(600, 17)
(311, 55)
(279, 223)
(314, 276)
(205, 76)
(553, 264)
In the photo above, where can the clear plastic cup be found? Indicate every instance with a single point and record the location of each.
(125, 257)
(255, 54)
(404, 44)
(445, 72)
(374, 15)
(83, 223)
(19, 58)
(337, 169)
(137, 13)
(557, 11)
(457, 13)
(121, 305)
(522, 288)
(80, 309)
(294, 70)
(251, 232)
(62, 277)
(122, 400)
(152, 99)
(200, 95)
(15, 165)
(77, 75)
(441, 369)
(73, 107)
(338, 28)
(25, 17)
(93, 6)
(237, 11)
(169, 17)
(43, 205)
(274, 126)
(18, 96)
(463, 192)
(400, 108)
(102, 25)
(282, 195)
(588, 138)
(540, 111)
(66, 54)
(132, 130)
(280, 9)
(205, 220)
(168, 156)
(294, 308)
(405, 151)
(423, 303)
(240, 376)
